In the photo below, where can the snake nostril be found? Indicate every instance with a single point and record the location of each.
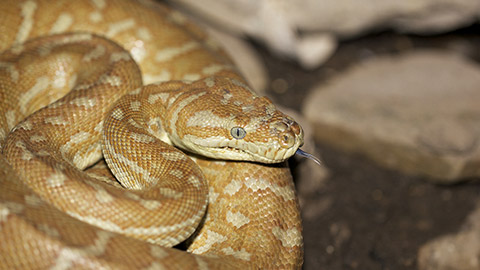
(287, 141)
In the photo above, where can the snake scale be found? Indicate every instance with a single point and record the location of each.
(93, 94)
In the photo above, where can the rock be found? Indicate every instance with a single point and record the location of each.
(267, 21)
(307, 30)
(314, 49)
(418, 113)
(459, 251)
(350, 17)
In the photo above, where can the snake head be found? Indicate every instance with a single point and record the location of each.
(229, 121)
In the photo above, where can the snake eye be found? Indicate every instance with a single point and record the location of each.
(238, 133)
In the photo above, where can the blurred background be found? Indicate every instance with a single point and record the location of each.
(388, 93)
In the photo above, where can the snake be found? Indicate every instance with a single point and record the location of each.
(129, 140)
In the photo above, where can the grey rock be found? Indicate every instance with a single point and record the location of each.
(418, 113)
(459, 251)
(323, 22)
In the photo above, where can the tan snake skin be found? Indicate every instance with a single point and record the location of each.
(69, 98)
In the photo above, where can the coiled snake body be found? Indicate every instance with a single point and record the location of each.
(70, 97)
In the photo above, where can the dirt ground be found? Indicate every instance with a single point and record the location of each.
(371, 217)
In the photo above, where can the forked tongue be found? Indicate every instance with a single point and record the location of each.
(302, 153)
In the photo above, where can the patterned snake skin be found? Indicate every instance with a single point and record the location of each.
(89, 177)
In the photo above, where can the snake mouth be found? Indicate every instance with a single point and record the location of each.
(231, 153)
(220, 148)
